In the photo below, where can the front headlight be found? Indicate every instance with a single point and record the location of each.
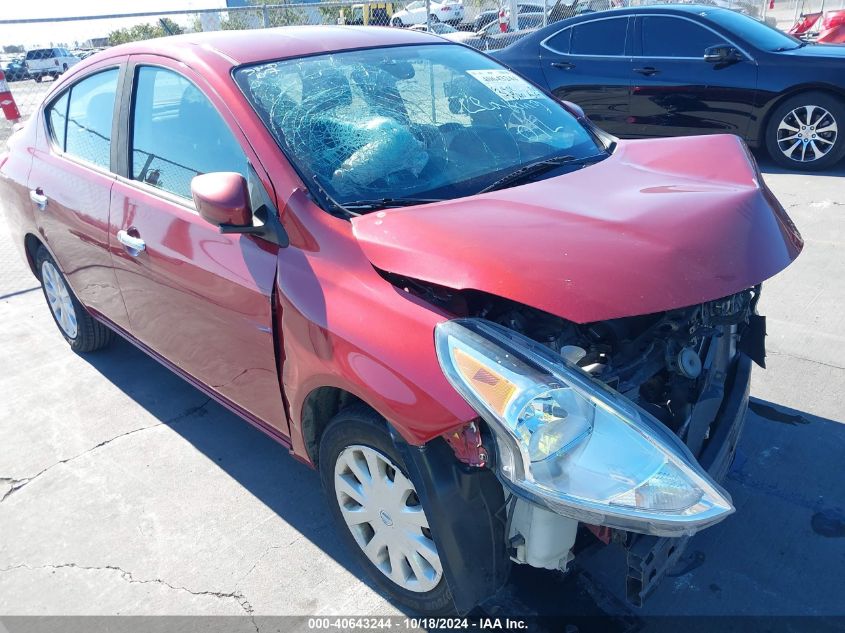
(571, 443)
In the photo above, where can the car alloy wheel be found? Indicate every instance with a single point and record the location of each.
(385, 516)
(58, 297)
(807, 133)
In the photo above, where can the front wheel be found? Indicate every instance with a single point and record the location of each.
(376, 507)
(434, 19)
(79, 329)
(397, 23)
(38, 78)
(804, 132)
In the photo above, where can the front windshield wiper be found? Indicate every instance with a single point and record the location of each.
(533, 169)
(386, 203)
(359, 207)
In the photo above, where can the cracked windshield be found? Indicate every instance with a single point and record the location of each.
(413, 123)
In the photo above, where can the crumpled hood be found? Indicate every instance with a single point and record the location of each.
(661, 224)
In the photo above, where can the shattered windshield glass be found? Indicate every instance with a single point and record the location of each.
(432, 121)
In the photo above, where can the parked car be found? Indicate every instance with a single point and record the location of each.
(679, 70)
(823, 28)
(563, 9)
(390, 254)
(49, 62)
(375, 13)
(15, 70)
(486, 17)
(491, 37)
(444, 30)
(451, 11)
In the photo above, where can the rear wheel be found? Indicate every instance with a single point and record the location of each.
(377, 509)
(38, 78)
(806, 132)
(434, 18)
(397, 22)
(79, 329)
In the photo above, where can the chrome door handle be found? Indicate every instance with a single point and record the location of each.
(134, 245)
(38, 197)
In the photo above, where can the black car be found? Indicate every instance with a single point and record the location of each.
(677, 70)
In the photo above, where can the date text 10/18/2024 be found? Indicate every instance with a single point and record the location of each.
(415, 624)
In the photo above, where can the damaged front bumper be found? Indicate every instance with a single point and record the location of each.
(649, 557)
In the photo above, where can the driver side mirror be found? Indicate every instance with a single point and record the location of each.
(721, 55)
(222, 199)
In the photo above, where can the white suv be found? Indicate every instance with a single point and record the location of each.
(451, 11)
(52, 62)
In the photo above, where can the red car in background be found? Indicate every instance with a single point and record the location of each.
(492, 327)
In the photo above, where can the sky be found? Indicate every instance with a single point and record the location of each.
(32, 35)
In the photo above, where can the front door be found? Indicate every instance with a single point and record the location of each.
(200, 299)
(675, 92)
(589, 65)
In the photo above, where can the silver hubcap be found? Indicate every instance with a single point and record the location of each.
(59, 299)
(807, 133)
(384, 514)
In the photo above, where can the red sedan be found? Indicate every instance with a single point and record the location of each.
(494, 329)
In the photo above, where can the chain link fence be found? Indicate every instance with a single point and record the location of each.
(484, 24)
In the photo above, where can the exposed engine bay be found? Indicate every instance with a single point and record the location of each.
(669, 364)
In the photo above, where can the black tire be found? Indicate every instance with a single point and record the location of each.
(360, 425)
(397, 22)
(90, 334)
(778, 141)
(434, 19)
(38, 78)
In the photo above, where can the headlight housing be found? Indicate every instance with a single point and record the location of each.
(569, 442)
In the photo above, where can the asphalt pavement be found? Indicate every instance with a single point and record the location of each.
(126, 491)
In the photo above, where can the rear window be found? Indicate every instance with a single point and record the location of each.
(40, 53)
(604, 37)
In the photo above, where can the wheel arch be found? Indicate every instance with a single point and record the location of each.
(759, 138)
(31, 244)
(319, 407)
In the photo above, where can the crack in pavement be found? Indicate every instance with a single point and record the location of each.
(804, 358)
(18, 484)
(237, 596)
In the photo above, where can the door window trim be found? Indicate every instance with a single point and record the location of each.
(624, 55)
(126, 121)
(113, 142)
(639, 30)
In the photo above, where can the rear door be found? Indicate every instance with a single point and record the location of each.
(70, 187)
(200, 299)
(589, 64)
(675, 92)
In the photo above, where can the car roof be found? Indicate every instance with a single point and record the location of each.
(250, 46)
(679, 9)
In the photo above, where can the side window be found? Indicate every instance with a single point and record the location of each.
(600, 37)
(177, 133)
(674, 37)
(57, 118)
(89, 118)
(560, 42)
